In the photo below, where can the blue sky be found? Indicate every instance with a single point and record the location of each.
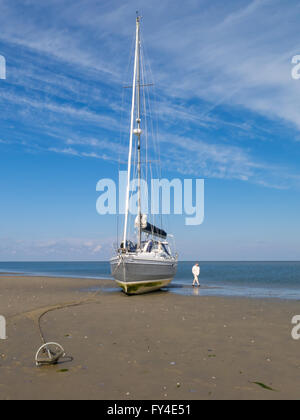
(228, 112)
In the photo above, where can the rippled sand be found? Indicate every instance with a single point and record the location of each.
(156, 346)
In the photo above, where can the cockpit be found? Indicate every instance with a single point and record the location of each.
(147, 247)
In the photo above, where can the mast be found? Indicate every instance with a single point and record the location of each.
(138, 132)
(131, 131)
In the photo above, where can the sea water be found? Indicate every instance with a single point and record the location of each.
(244, 279)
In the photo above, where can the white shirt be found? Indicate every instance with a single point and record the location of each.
(196, 270)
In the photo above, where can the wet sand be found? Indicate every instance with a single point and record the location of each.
(156, 346)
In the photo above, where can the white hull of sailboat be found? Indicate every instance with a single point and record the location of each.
(137, 275)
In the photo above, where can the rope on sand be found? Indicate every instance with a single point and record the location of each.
(50, 352)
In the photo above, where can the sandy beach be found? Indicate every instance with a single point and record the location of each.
(156, 346)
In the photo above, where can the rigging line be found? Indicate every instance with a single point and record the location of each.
(155, 118)
(144, 161)
(155, 101)
(148, 118)
(156, 129)
(119, 157)
(155, 144)
(149, 122)
(153, 135)
(151, 201)
(134, 176)
(145, 118)
(122, 118)
(135, 167)
(141, 85)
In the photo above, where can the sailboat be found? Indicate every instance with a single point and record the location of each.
(147, 263)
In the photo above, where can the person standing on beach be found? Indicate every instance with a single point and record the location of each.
(196, 273)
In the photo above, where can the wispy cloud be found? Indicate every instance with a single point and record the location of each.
(59, 109)
(55, 249)
(73, 152)
(209, 63)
